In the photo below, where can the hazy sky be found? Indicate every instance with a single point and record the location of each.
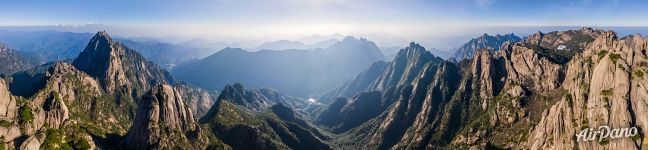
(403, 19)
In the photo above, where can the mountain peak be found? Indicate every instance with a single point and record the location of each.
(232, 49)
(360, 40)
(162, 111)
(493, 43)
(237, 86)
(96, 54)
(117, 65)
(415, 45)
(414, 48)
(349, 38)
(102, 33)
(102, 37)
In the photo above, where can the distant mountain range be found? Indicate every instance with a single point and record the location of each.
(485, 41)
(48, 46)
(295, 72)
(287, 44)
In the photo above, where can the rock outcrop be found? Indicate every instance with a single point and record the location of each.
(525, 66)
(605, 87)
(163, 120)
(9, 128)
(7, 101)
(198, 100)
(66, 92)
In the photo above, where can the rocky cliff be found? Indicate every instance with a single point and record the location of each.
(605, 86)
(527, 95)
(61, 107)
(163, 120)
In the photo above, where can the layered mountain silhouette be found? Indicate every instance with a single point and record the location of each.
(287, 44)
(294, 72)
(46, 46)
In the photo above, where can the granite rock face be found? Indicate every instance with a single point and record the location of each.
(606, 85)
(198, 100)
(8, 113)
(163, 120)
(527, 95)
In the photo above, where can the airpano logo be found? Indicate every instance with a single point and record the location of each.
(604, 133)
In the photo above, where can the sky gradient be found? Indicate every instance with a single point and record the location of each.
(293, 18)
